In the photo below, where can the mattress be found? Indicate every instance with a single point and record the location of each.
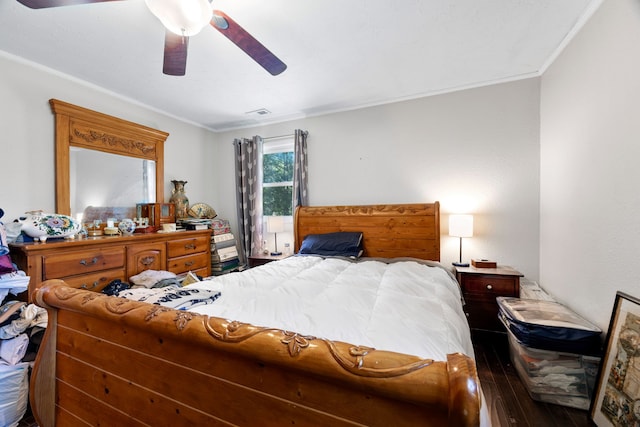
(408, 306)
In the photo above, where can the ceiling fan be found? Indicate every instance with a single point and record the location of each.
(182, 19)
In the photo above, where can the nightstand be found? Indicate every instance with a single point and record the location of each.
(261, 259)
(480, 287)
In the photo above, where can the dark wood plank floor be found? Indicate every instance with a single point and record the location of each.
(507, 396)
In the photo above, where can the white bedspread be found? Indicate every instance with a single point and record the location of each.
(408, 307)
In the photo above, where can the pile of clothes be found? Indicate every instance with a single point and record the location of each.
(22, 326)
(163, 288)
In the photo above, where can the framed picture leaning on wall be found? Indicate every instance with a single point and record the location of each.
(617, 395)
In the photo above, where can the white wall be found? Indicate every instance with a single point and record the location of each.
(475, 151)
(590, 148)
(27, 141)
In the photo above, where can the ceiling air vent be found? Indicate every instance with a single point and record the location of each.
(259, 112)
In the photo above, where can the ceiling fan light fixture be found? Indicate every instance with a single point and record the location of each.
(182, 17)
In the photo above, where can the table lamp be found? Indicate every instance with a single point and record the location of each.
(461, 226)
(275, 225)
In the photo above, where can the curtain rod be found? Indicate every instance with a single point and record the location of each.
(275, 137)
(278, 137)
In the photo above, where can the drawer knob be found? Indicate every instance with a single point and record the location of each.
(489, 286)
(190, 246)
(84, 286)
(188, 263)
(87, 264)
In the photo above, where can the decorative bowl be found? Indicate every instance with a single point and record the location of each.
(127, 227)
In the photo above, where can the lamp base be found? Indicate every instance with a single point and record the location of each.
(460, 264)
(280, 253)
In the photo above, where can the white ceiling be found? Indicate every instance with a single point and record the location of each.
(341, 54)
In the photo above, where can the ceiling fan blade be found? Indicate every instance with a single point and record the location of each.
(43, 4)
(247, 43)
(175, 54)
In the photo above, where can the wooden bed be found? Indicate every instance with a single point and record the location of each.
(110, 361)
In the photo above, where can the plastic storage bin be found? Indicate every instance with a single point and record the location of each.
(566, 379)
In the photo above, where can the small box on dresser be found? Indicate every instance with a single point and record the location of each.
(157, 213)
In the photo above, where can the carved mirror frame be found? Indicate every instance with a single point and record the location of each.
(80, 127)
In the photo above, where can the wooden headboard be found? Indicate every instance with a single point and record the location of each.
(389, 231)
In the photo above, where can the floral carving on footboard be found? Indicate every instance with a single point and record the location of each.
(352, 359)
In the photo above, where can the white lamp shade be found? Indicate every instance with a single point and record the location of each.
(461, 225)
(182, 17)
(275, 224)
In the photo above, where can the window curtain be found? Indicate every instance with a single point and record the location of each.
(249, 194)
(248, 158)
(300, 169)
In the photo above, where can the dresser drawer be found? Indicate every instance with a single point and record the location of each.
(56, 266)
(188, 263)
(188, 246)
(490, 287)
(96, 281)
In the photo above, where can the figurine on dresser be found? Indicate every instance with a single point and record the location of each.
(179, 198)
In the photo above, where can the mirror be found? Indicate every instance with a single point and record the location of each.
(122, 183)
(130, 158)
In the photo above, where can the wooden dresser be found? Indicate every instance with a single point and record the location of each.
(93, 262)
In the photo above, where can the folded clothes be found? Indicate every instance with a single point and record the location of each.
(31, 315)
(148, 278)
(13, 350)
(10, 309)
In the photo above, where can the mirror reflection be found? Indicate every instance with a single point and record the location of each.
(104, 185)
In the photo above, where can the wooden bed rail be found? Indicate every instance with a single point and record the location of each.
(111, 361)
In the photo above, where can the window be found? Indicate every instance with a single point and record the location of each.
(277, 177)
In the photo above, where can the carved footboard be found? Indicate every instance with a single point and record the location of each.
(120, 362)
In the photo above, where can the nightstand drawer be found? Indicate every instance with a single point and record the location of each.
(490, 286)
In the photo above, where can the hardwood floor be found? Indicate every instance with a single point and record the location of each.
(507, 396)
(27, 420)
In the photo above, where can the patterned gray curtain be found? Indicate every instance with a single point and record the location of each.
(248, 200)
(300, 169)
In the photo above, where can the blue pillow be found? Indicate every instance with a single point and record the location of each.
(342, 243)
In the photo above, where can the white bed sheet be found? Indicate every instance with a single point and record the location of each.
(407, 307)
